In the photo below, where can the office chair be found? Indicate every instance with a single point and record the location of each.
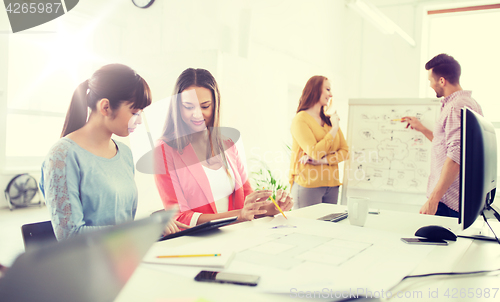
(37, 234)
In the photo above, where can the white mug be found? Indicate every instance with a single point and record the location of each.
(357, 208)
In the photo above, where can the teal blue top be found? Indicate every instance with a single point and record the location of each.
(84, 191)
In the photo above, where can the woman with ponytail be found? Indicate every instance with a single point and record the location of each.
(318, 147)
(201, 170)
(87, 177)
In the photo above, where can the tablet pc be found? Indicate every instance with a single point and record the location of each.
(214, 224)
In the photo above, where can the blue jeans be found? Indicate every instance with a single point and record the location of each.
(443, 210)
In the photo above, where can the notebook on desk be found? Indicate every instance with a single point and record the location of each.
(93, 266)
(211, 225)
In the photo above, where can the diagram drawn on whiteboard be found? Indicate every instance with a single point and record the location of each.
(386, 155)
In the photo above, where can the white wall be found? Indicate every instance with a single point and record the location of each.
(390, 67)
(4, 177)
(261, 53)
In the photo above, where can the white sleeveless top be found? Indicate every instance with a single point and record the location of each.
(221, 186)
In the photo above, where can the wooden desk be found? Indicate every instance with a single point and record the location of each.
(148, 284)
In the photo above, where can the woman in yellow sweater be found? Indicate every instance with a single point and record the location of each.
(318, 147)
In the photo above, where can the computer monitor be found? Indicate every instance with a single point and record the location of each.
(478, 166)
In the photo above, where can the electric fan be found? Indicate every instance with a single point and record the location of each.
(21, 191)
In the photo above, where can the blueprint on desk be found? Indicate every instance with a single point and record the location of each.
(285, 251)
(319, 254)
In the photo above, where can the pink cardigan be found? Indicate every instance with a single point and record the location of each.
(184, 182)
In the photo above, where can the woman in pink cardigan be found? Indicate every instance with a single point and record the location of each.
(201, 170)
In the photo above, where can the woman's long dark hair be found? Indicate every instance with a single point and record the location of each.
(311, 95)
(117, 83)
(176, 133)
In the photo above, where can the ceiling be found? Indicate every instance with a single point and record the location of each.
(385, 3)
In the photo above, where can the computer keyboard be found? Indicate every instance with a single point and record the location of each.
(334, 217)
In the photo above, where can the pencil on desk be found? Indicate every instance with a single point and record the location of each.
(398, 119)
(182, 256)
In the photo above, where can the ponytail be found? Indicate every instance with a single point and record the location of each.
(117, 83)
(77, 111)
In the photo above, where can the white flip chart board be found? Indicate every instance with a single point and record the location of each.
(388, 162)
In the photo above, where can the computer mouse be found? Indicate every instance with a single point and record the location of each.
(436, 232)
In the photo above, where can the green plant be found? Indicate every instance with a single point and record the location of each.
(265, 180)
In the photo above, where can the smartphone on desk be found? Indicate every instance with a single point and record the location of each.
(221, 277)
(424, 241)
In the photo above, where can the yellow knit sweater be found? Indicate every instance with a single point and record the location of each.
(312, 139)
